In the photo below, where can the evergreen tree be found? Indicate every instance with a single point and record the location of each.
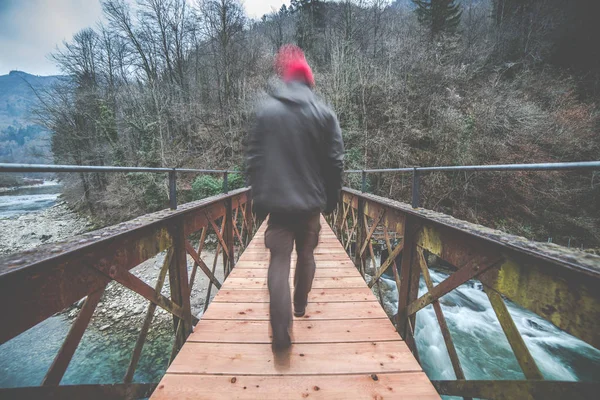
(441, 16)
(310, 24)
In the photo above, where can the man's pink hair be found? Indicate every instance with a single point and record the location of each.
(291, 65)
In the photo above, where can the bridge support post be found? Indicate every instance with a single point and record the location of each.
(359, 260)
(173, 189)
(416, 189)
(178, 280)
(228, 261)
(409, 286)
(249, 219)
(363, 186)
(225, 183)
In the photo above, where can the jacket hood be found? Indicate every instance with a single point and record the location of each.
(294, 92)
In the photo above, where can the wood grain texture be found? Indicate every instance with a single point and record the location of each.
(305, 331)
(337, 256)
(321, 264)
(260, 311)
(406, 386)
(320, 273)
(318, 283)
(315, 296)
(304, 359)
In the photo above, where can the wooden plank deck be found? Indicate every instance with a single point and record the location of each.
(343, 348)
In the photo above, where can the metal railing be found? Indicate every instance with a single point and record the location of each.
(43, 168)
(417, 171)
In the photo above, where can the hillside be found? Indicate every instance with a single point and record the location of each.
(21, 140)
(475, 82)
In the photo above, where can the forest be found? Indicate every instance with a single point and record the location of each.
(174, 83)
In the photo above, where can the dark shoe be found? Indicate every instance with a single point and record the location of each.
(281, 342)
(299, 313)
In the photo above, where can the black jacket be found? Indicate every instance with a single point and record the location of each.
(295, 153)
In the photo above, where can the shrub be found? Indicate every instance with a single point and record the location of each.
(210, 185)
(206, 186)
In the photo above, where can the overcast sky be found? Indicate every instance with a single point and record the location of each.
(30, 29)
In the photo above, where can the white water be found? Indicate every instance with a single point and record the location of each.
(482, 347)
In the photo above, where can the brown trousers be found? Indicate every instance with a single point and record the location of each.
(282, 231)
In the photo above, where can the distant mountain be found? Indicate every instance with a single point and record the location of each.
(20, 139)
(17, 96)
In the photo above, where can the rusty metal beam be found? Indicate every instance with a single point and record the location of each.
(65, 354)
(229, 256)
(235, 228)
(409, 278)
(249, 218)
(201, 264)
(392, 218)
(179, 284)
(524, 358)
(141, 339)
(569, 300)
(391, 259)
(242, 226)
(135, 284)
(413, 293)
(469, 271)
(359, 259)
(510, 390)
(371, 230)
(371, 252)
(201, 243)
(194, 221)
(214, 268)
(452, 353)
(388, 243)
(219, 234)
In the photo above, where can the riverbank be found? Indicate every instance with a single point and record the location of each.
(8, 183)
(32, 229)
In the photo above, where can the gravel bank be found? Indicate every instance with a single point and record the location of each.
(35, 228)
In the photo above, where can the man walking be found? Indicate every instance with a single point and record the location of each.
(295, 163)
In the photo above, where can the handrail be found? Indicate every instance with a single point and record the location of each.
(496, 167)
(9, 167)
(416, 172)
(12, 167)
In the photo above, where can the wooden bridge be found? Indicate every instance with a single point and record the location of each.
(345, 347)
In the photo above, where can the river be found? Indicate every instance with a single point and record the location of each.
(26, 199)
(482, 347)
